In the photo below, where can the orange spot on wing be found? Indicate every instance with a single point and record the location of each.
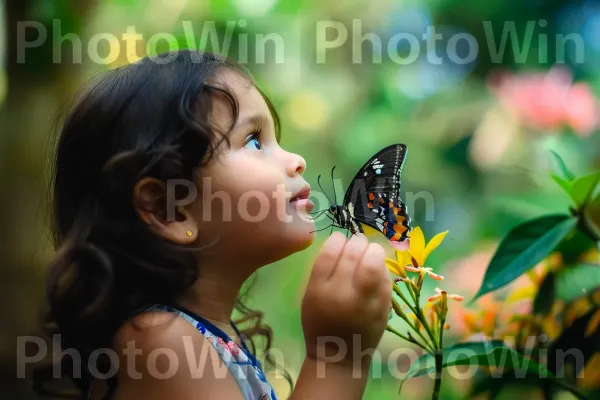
(371, 196)
(399, 228)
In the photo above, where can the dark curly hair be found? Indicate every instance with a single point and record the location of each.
(150, 118)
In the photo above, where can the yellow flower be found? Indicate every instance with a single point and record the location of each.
(395, 268)
(417, 252)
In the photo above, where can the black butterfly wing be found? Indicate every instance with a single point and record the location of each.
(373, 197)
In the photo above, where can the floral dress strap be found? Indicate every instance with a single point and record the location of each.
(240, 362)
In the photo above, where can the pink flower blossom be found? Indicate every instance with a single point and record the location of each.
(548, 101)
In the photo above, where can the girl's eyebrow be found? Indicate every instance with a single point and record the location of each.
(254, 119)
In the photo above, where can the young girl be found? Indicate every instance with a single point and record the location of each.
(170, 190)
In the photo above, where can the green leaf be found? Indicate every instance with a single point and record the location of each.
(575, 337)
(487, 354)
(560, 169)
(523, 247)
(564, 184)
(591, 218)
(574, 247)
(542, 303)
(577, 281)
(583, 188)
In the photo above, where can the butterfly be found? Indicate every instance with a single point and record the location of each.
(373, 198)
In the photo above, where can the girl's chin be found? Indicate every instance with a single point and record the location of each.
(303, 235)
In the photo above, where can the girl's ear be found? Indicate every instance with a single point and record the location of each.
(150, 203)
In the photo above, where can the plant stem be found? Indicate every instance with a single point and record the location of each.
(421, 318)
(412, 292)
(439, 362)
(413, 340)
(438, 375)
(427, 346)
(416, 311)
(403, 297)
(441, 341)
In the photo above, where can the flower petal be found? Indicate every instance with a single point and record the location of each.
(395, 268)
(456, 297)
(403, 258)
(434, 243)
(469, 319)
(593, 324)
(434, 297)
(417, 245)
(435, 276)
(524, 293)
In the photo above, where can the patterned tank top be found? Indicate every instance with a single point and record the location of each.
(240, 362)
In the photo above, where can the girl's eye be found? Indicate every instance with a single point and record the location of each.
(253, 141)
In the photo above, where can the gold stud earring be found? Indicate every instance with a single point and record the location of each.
(189, 233)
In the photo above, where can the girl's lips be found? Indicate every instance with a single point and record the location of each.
(303, 194)
(306, 204)
(301, 200)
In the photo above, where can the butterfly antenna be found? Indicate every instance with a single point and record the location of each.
(321, 187)
(333, 184)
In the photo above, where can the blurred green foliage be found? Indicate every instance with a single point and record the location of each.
(338, 112)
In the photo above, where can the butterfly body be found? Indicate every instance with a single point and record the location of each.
(344, 218)
(373, 197)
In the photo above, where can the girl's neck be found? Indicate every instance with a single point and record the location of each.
(213, 296)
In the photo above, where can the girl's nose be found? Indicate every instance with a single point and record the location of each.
(296, 165)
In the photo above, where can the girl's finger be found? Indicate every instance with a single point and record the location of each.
(370, 273)
(328, 257)
(351, 256)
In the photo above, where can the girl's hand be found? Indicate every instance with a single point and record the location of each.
(347, 302)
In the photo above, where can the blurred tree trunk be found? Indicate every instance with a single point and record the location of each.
(35, 89)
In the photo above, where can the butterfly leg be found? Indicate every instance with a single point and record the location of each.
(322, 229)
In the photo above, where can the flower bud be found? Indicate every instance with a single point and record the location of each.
(443, 305)
(420, 280)
(398, 309)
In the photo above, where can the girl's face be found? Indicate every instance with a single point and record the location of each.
(252, 206)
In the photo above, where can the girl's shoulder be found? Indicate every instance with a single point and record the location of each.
(159, 351)
(177, 329)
